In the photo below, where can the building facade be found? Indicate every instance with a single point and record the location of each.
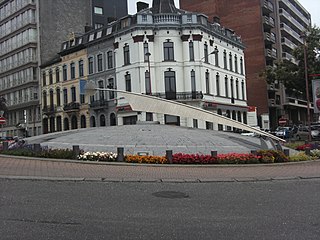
(165, 52)
(31, 32)
(105, 11)
(271, 30)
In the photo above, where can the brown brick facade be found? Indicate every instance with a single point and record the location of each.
(245, 18)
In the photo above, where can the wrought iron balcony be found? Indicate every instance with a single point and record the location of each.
(71, 107)
(49, 109)
(102, 103)
(267, 7)
(179, 95)
(268, 22)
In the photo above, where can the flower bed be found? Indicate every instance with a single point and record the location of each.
(261, 156)
(98, 156)
(145, 159)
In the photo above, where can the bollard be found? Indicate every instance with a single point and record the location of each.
(169, 156)
(308, 151)
(214, 153)
(286, 152)
(254, 152)
(120, 154)
(5, 145)
(37, 147)
(76, 150)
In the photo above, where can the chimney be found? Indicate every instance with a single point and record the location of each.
(216, 19)
(141, 6)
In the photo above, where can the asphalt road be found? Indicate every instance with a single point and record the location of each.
(65, 210)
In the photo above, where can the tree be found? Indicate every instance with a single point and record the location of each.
(293, 75)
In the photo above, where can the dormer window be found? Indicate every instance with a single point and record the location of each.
(98, 10)
(109, 31)
(144, 18)
(91, 37)
(99, 34)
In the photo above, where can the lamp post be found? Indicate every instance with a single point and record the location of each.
(1, 115)
(148, 54)
(215, 51)
(304, 36)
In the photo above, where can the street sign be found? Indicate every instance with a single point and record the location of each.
(283, 121)
(3, 120)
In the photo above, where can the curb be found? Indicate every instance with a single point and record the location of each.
(160, 165)
(124, 180)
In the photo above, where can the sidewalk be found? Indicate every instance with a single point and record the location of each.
(66, 170)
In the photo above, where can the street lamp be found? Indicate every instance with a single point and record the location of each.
(148, 54)
(215, 51)
(304, 36)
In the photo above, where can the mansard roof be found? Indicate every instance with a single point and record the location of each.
(163, 6)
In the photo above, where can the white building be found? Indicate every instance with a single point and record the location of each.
(190, 59)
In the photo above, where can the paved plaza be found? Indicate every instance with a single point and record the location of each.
(153, 139)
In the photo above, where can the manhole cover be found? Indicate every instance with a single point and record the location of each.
(170, 194)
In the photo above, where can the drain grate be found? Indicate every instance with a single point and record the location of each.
(170, 194)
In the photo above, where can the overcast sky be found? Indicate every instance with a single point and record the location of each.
(312, 6)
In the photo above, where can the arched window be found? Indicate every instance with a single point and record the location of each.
(113, 120)
(207, 82)
(218, 84)
(92, 121)
(66, 124)
(245, 117)
(220, 126)
(239, 116)
(216, 56)
(44, 100)
(74, 122)
(83, 123)
(102, 120)
(59, 124)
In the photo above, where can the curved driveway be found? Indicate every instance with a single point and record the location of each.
(23, 168)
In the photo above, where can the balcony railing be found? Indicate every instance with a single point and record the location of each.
(70, 107)
(102, 103)
(290, 19)
(267, 6)
(271, 54)
(179, 95)
(49, 109)
(269, 38)
(287, 42)
(167, 19)
(268, 21)
(295, 10)
(290, 32)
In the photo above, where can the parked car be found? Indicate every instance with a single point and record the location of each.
(283, 132)
(303, 133)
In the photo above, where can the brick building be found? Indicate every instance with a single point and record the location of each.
(270, 30)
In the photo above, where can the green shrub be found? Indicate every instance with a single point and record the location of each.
(45, 153)
(315, 153)
(301, 156)
(270, 156)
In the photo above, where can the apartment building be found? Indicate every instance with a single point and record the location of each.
(270, 30)
(31, 32)
(162, 51)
